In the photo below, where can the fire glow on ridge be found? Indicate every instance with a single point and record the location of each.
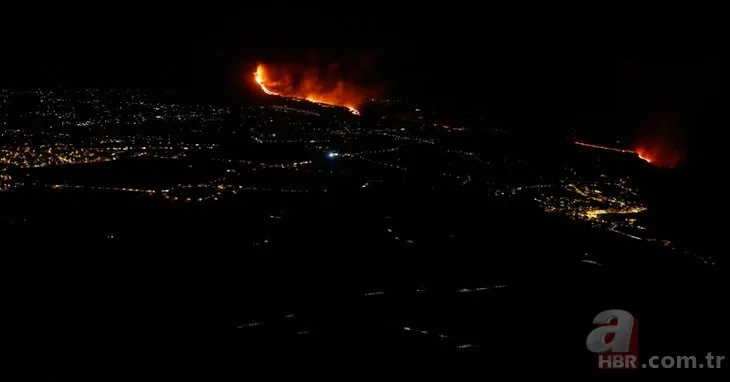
(639, 153)
(308, 86)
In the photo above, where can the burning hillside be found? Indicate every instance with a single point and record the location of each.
(660, 143)
(657, 153)
(311, 84)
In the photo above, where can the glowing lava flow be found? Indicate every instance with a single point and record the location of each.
(605, 148)
(259, 76)
(637, 153)
(643, 158)
(267, 85)
(315, 100)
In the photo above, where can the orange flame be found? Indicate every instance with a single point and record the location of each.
(660, 143)
(658, 155)
(307, 85)
(642, 157)
(259, 77)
